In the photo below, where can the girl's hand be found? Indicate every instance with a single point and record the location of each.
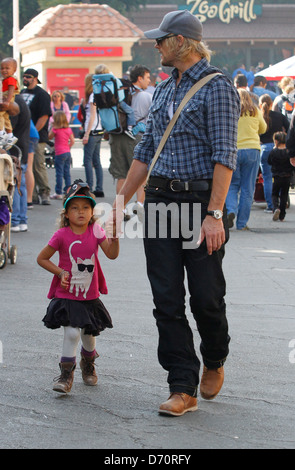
(292, 161)
(64, 280)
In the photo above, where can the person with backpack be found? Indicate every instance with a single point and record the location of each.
(285, 103)
(122, 148)
(112, 97)
(92, 140)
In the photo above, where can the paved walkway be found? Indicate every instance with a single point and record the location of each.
(255, 408)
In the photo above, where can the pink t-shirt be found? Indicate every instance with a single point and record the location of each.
(78, 254)
(61, 140)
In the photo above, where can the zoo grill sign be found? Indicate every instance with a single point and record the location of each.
(225, 10)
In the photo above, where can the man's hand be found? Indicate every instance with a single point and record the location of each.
(213, 231)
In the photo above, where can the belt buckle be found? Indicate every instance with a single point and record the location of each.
(171, 186)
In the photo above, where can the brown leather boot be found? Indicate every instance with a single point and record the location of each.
(178, 404)
(88, 369)
(211, 382)
(65, 380)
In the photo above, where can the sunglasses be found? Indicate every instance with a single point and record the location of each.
(83, 267)
(28, 76)
(160, 40)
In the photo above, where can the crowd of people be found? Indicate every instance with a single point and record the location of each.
(55, 120)
(263, 114)
(209, 155)
(277, 111)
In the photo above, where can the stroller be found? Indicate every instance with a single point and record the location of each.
(9, 167)
(49, 154)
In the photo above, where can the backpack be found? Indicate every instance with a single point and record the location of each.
(107, 94)
(128, 88)
(288, 104)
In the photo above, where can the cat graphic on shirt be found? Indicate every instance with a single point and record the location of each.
(82, 273)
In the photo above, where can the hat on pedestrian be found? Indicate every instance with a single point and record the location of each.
(178, 22)
(32, 72)
(79, 189)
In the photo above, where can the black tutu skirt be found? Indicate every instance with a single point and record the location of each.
(90, 315)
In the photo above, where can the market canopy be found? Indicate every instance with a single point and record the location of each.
(285, 68)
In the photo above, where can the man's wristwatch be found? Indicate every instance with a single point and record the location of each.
(217, 214)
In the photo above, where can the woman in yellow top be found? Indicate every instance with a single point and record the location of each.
(240, 195)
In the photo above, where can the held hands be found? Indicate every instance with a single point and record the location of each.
(114, 222)
(213, 231)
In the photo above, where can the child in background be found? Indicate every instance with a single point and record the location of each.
(63, 141)
(77, 281)
(10, 87)
(279, 159)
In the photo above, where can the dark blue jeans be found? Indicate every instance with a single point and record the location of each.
(19, 207)
(62, 165)
(92, 160)
(167, 261)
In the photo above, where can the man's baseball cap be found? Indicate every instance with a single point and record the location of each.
(32, 72)
(79, 189)
(178, 22)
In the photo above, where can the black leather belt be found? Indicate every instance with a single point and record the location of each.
(100, 132)
(177, 185)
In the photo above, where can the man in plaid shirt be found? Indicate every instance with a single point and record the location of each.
(193, 169)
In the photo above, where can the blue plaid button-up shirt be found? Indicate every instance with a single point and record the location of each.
(205, 132)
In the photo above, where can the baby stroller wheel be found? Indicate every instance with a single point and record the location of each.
(3, 259)
(13, 254)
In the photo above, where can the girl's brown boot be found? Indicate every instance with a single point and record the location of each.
(65, 380)
(88, 369)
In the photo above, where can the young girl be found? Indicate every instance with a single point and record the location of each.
(63, 141)
(77, 281)
(281, 167)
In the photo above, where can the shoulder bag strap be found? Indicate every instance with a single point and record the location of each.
(171, 124)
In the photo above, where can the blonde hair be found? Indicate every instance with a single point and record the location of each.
(286, 81)
(60, 120)
(289, 88)
(88, 86)
(247, 105)
(64, 221)
(189, 46)
(61, 95)
(101, 68)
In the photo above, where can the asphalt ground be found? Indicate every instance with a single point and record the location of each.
(255, 408)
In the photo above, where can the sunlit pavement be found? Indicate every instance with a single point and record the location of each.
(255, 408)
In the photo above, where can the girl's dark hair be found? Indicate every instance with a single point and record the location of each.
(64, 221)
(280, 137)
(265, 103)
